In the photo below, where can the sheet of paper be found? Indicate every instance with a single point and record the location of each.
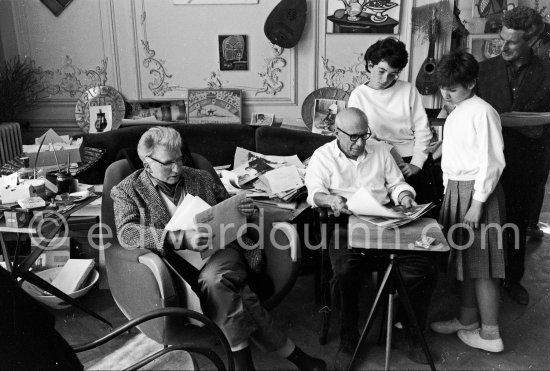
(363, 203)
(224, 220)
(186, 211)
(8, 180)
(243, 156)
(283, 179)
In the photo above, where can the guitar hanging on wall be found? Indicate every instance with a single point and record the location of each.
(286, 22)
(425, 80)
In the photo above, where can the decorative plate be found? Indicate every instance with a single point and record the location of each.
(99, 96)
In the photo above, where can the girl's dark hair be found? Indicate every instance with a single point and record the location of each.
(457, 67)
(390, 50)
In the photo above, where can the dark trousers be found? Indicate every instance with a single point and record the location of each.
(349, 266)
(526, 170)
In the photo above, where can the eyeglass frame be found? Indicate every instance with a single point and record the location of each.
(355, 137)
(170, 164)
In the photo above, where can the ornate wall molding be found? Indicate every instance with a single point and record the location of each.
(273, 67)
(70, 80)
(159, 86)
(345, 78)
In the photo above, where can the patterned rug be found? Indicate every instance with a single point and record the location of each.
(138, 348)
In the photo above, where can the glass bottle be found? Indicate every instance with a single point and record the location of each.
(100, 122)
(26, 172)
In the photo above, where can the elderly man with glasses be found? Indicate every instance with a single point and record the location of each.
(145, 201)
(336, 170)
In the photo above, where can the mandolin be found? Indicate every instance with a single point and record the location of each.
(425, 80)
(286, 22)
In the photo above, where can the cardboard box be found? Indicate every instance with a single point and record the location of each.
(63, 147)
(16, 218)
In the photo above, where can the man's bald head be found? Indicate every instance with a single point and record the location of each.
(350, 123)
(352, 120)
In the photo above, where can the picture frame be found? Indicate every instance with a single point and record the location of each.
(164, 111)
(485, 46)
(363, 16)
(56, 6)
(214, 106)
(324, 113)
(262, 119)
(233, 51)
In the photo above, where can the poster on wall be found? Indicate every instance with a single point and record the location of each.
(207, 106)
(233, 52)
(362, 16)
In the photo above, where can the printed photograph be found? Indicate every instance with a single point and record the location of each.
(324, 113)
(262, 119)
(101, 119)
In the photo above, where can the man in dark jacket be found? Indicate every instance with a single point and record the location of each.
(518, 80)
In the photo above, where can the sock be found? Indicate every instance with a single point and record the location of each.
(306, 362)
(489, 332)
(243, 360)
(467, 315)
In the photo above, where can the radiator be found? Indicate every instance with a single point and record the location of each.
(11, 144)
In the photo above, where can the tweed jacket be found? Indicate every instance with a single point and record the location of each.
(532, 96)
(140, 214)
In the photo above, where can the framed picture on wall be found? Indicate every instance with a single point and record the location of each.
(214, 106)
(363, 16)
(485, 46)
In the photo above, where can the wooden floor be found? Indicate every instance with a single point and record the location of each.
(525, 329)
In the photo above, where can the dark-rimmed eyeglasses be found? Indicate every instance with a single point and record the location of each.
(355, 137)
(170, 164)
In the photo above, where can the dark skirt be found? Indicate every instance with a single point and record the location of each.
(475, 253)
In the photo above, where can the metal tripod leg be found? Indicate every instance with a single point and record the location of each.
(373, 312)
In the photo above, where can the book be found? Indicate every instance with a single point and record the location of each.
(73, 275)
(31, 202)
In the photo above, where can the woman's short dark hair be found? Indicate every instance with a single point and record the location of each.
(458, 67)
(522, 18)
(390, 50)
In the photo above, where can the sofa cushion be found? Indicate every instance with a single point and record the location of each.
(286, 142)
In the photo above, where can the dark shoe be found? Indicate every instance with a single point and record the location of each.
(534, 232)
(517, 292)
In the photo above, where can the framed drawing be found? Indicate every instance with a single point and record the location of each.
(363, 16)
(207, 106)
(233, 52)
(485, 46)
(56, 6)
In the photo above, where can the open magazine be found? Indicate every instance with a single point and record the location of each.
(366, 207)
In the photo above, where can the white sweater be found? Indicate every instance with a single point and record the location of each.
(473, 146)
(396, 116)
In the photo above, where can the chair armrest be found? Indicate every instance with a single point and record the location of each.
(160, 272)
(291, 235)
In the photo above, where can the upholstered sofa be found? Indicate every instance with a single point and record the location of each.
(216, 142)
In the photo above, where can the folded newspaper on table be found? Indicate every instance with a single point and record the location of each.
(224, 221)
(366, 207)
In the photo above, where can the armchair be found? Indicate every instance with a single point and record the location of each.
(140, 281)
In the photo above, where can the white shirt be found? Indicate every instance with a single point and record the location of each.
(330, 171)
(473, 147)
(396, 115)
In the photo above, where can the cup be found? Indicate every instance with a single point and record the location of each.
(64, 183)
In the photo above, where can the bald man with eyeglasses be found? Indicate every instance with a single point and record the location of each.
(336, 170)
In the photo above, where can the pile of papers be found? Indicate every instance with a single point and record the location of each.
(274, 180)
(366, 207)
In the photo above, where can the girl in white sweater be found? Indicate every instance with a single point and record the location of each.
(395, 111)
(473, 205)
